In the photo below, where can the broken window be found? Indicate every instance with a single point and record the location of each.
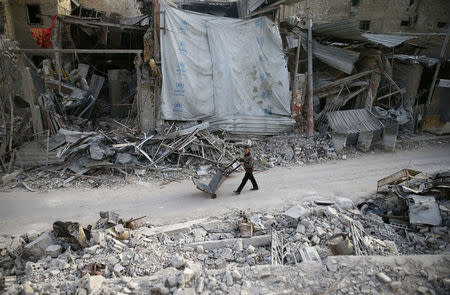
(364, 25)
(34, 14)
(2, 18)
(405, 23)
(441, 24)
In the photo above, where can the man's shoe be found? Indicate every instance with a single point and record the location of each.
(254, 189)
(236, 192)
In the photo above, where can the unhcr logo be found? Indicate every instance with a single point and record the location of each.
(184, 27)
(179, 89)
(182, 48)
(180, 70)
(178, 108)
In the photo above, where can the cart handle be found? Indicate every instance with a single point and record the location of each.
(231, 164)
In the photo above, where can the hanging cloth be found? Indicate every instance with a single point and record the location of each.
(42, 36)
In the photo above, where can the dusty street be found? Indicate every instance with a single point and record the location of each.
(22, 211)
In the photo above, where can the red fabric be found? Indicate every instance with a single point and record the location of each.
(42, 36)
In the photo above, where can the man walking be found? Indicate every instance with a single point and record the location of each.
(247, 162)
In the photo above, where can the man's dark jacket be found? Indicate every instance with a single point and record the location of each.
(248, 162)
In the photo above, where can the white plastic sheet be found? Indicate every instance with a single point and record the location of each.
(214, 67)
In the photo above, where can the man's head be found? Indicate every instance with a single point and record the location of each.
(246, 149)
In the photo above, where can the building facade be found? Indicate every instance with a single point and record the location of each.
(21, 15)
(383, 16)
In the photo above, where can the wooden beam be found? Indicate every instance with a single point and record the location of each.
(310, 87)
(403, 90)
(58, 55)
(90, 51)
(70, 20)
(343, 81)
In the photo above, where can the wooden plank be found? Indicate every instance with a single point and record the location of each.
(398, 177)
(31, 99)
(403, 90)
(342, 81)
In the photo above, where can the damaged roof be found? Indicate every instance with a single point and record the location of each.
(349, 30)
(353, 121)
(387, 40)
(339, 58)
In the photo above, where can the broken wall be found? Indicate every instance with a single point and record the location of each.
(17, 22)
(125, 8)
(2, 17)
(408, 76)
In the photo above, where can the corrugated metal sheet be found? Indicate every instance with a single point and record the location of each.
(338, 58)
(416, 59)
(387, 40)
(353, 121)
(252, 125)
(247, 6)
(348, 30)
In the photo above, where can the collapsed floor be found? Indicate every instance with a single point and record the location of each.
(237, 253)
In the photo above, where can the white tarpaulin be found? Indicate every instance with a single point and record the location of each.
(214, 67)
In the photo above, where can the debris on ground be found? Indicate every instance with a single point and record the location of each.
(231, 252)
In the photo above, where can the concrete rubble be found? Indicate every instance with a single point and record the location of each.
(115, 155)
(208, 256)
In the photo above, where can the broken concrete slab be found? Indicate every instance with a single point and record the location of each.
(364, 141)
(310, 254)
(96, 152)
(257, 241)
(344, 203)
(384, 278)
(7, 178)
(423, 210)
(296, 212)
(339, 141)
(94, 284)
(125, 158)
(53, 251)
(170, 229)
(37, 247)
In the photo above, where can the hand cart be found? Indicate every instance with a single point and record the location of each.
(217, 180)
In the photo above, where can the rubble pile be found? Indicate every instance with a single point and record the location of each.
(283, 150)
(77, 157)
(225, 255)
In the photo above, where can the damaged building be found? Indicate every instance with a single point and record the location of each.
(150, 85)
(163, 91)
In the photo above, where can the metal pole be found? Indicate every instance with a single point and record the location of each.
(297, 57)
(58, 55)
(436, 72)
(310, 111)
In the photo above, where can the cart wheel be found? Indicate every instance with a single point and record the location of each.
(213, 196)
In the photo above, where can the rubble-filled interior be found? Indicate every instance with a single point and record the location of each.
(90, 104)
